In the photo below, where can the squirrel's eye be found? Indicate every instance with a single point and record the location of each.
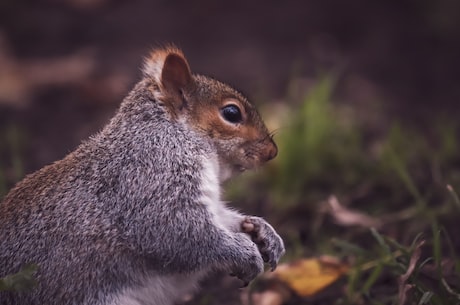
(232, 114)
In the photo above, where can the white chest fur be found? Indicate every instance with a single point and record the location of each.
(210, 189)
(222, 216)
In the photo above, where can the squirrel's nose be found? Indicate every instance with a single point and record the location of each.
(272, 151)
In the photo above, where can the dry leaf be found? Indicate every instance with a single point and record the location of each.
(348, 217)
(307, 277)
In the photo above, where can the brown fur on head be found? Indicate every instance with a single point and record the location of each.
(212, 108)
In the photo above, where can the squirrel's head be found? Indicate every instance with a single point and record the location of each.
(212, 108)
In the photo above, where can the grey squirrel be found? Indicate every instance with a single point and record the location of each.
(134, 214)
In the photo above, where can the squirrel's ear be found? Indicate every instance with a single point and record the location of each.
(176, 73)
(169, 68)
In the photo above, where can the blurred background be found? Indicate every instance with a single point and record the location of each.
(363, 96)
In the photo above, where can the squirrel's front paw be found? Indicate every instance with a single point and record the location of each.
(270, 244)
(249, 262)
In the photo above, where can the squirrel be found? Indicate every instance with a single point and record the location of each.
(134, 215)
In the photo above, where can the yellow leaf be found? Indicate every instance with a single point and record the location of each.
(306, 277)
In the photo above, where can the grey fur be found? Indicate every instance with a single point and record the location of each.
(122, 212)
